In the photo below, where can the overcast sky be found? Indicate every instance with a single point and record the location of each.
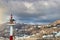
(30, 11)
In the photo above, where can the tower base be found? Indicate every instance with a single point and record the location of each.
(11, 37)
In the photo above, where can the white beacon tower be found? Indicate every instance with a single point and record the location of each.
(11, 24)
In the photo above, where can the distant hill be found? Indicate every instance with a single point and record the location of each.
(18, 26)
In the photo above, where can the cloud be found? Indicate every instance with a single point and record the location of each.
(32, 11)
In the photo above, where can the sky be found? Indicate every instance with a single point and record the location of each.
(30, 11)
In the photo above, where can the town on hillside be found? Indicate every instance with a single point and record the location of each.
(18, 31)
